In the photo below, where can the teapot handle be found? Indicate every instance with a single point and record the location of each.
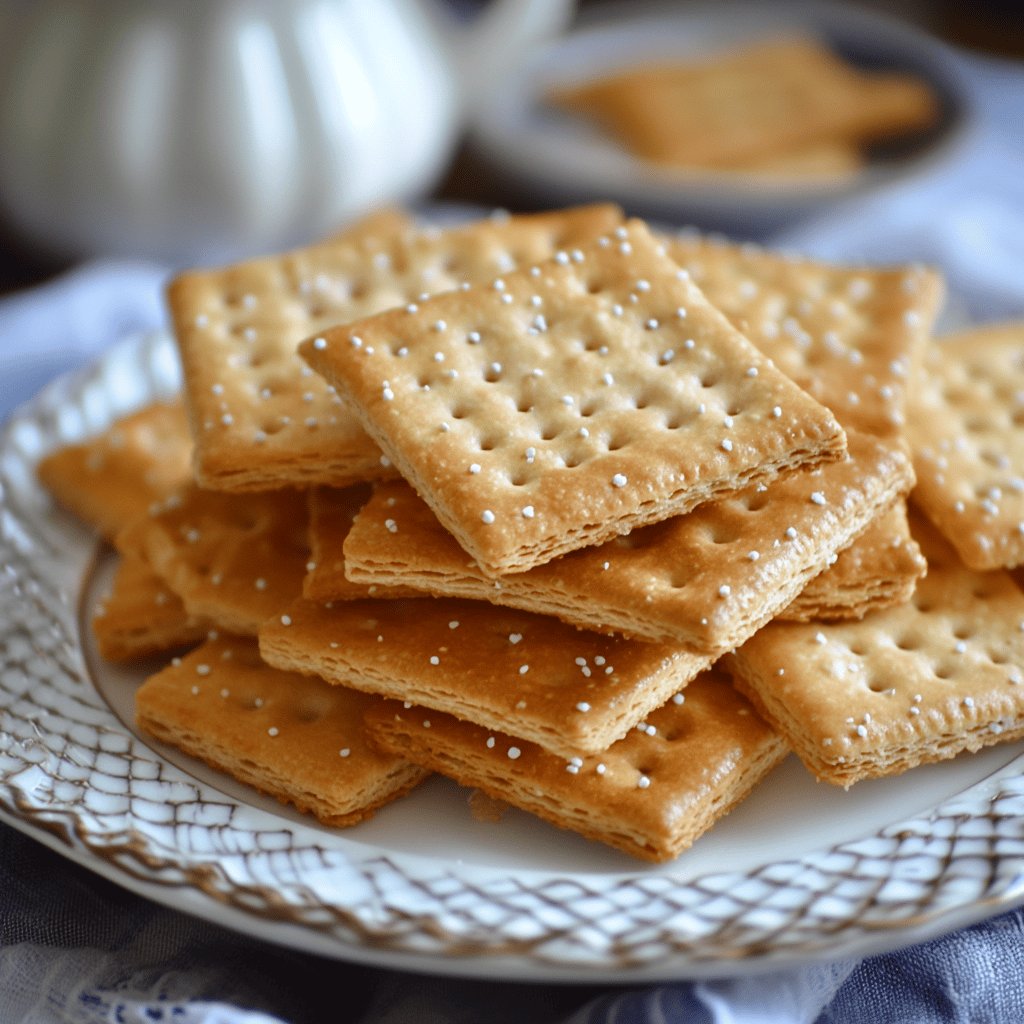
(498, 38)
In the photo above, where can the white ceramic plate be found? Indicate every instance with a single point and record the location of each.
(558, 159)
(800, 871)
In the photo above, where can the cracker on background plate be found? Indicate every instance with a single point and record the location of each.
(331, 511)
(110, 480)
(565, 689)
(651, 794)
(879, 569)
(749, 104)
(901, 687)
(260, 417)
(967, 432)
(706, 580)
(560, 406)
(292, 737)
(142, 616)
(234, 560)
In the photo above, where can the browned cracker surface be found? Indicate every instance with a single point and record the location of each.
(565, 689)
(289, 736)
(260, 417)
(112, 479)
(850, 336)
(967, 431)
(560, 406)
(706, 580)
(651, 794)
(141, 615)
(903, 686)
(233, 559)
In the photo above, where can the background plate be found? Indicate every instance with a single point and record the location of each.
(799, 871)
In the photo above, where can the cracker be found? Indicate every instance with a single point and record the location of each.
(141, 616)
(967, 431)
(112, 479)
(562, 688)
(331, 511)
(260, 417)
(815, 163)
(747, 104)
(901, 687)
(851, 336)
(879, 569)
(706, 580)
(652, 794)
(561, 406)
(234, 560)
(291, 737)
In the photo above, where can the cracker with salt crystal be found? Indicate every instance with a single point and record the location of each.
(706, 580)
(879, 569)
(291, 737)
(967, 432)
(111, 479)
(652, 794)
(562, 688)
(560, 406)
(141, 615)
(234, 560)
(771, 96)
(260, 417)
(331, 511)
(851, 336)
(904, 686)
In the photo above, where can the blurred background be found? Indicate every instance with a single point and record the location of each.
(192, 134)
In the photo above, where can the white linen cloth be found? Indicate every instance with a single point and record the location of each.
(74, 948)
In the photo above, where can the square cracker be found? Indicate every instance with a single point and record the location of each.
(879, 569)
(901, 687)
(141, 615)
(560, 406)
(749, 104)
(562, 688)
(112, 479)
(234, 560)
(651, 794)
(706, 580)
(294, 738)
(260, 417)
(851, 336)
(967, 431)
(331, 511)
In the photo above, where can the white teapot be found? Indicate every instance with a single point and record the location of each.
(203, 131)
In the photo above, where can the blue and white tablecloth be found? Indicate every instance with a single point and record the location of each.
(75, 948)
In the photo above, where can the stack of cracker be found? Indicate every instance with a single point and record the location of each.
(520, 501)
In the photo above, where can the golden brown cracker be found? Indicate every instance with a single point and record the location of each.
(234, 560)
(652, 794)
(141, 615)
(558, 407)
(904, 686)
(851, 336)
(294, 738)
(706, 580)
(967, 431)
(111, 479)
(260, 417)
(565, 689)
